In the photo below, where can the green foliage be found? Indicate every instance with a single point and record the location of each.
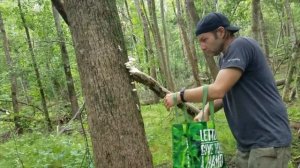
(42, 150)
(158, 130)
(293, 111)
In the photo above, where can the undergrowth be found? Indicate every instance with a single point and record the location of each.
(38, 149)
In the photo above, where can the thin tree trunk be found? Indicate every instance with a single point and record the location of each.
(147, 28)
(258, 29)
(148, 49)
(148, 44)
(159, 46)
(189, 53)
(114, 116)
(134, 39)
(37, 73)
(216, 5)
(295, 55)
(297, 82)
(210, 60)
(13, 78)
(163, 22)
(264, 38)
(255, 20)
(66, 64)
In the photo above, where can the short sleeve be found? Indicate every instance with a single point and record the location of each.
(238, 55)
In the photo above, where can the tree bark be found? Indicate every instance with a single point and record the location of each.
(66, 63)
(264, 38)
(13, 78)
(59, 5)
(159, 46)
(163, 22)
(258, 29)
(148, 44)
(114, 116)
(147, 39)
(210, 60)
(255, 20)
(133, 36)
(37, 73)
(295, 55)
(189, 53)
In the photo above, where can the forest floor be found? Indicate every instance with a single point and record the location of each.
(40, 149)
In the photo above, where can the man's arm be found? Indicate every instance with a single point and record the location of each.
(218, 104)
(226, 79)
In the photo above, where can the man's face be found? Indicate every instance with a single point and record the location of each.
(211, 43)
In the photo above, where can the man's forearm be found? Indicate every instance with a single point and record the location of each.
(218, 104)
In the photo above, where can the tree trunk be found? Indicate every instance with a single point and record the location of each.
(37, 73)
(210, 60)
(147, 39)
(13, 78)
(295, 55)
(162, 11)
(189, 53)
(134, 39)
(297, 82)
(159, 46)
(66, 64)
(258, 29)
(255, 20)
(264, 38)
(148, 44)
(114, 116)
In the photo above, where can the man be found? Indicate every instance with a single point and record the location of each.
(245, 87)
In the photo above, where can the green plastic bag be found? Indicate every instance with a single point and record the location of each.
(195, 144)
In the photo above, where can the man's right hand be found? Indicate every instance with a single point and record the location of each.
(199, 117)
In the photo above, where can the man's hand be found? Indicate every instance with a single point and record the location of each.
(169, 100)
(199, 117)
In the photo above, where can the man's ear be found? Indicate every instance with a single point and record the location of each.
(222, 32)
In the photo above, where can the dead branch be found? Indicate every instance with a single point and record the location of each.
(158, 89)
(66, 127)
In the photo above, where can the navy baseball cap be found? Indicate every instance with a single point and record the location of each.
(212, 21)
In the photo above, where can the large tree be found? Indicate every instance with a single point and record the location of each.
(114, 117)
(13, 77)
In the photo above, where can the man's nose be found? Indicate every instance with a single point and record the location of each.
(203, 46)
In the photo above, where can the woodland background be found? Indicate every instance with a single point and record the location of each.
(67, 99)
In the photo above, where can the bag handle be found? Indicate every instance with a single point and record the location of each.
(186, 117)
(211, 104)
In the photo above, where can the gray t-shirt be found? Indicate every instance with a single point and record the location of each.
(253, 107)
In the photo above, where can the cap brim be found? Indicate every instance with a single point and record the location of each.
(232, 28)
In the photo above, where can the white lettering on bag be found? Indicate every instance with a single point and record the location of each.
(208, 135)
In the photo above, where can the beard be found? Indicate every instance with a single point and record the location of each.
(218, 48)
(215, 52)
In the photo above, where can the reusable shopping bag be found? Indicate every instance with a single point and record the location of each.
(195, 144)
